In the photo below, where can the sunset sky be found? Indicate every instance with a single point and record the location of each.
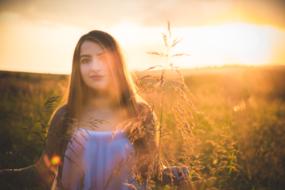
(40, 35)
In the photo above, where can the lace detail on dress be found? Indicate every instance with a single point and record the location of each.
(97, 160)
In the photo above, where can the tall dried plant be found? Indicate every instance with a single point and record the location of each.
(170, 97)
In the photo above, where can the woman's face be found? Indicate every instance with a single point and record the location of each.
(95, 65)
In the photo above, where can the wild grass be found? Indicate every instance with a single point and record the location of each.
(233, 138)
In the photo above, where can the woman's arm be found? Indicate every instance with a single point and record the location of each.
(47, 166)
(144, 137)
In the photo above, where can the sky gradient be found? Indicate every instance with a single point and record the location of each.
(40, 35)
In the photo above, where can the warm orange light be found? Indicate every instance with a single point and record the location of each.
(55, 160)
(216, 44)
(230, 43)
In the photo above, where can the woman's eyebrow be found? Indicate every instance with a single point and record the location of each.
(84, 55)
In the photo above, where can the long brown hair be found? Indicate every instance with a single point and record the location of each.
(128, 98)
(77, 91)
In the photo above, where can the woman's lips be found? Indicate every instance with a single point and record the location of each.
(96, 77)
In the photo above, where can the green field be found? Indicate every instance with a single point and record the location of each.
(228, 127)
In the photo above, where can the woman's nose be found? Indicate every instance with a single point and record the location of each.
(96, 65)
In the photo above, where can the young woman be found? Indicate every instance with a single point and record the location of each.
(104, 136)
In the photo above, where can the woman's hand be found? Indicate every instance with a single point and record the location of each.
(47, 168)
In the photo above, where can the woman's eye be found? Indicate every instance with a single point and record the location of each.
(100, 53)
(83, 61)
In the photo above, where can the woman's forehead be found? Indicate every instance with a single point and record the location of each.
(89, 47)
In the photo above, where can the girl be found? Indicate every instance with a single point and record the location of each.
(105, 136)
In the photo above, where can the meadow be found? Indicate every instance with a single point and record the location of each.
(226, 124)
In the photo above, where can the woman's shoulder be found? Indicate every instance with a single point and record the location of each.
(146, 111)
(57, 118)
(144, 107)
(55, 130)
(61, 110)
(59, 113)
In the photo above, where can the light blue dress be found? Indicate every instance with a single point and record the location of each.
(97, 160)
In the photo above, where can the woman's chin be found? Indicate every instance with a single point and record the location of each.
(100, 90)
(97, 87)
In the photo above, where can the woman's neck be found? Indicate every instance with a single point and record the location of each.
(103, 109)
(101, 101)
